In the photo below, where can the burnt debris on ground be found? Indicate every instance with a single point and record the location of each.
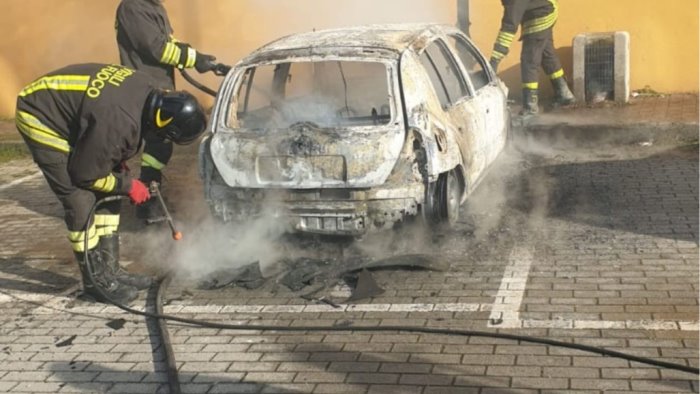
(301, 273)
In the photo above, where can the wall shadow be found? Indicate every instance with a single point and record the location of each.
(655, 196)
(42, 281)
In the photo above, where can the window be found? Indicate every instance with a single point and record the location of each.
(443, 73)
(471, 62)
(324, 93)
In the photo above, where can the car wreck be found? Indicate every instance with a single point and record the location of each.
(351, 130)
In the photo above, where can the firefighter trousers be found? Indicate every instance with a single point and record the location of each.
(77, 203)
(538, 51)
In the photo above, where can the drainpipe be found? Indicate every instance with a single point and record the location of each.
(463, 22)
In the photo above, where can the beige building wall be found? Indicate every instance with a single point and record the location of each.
(41, 35)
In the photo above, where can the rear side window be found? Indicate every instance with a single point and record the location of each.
(444, 74)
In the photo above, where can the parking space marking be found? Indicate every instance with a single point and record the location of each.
(20, 180)
(505, 312)
(50, 304)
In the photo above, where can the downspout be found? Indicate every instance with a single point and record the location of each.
(463, 21)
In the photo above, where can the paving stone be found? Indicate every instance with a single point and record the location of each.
(620, 265)
(330, 388)
(393, 389)
(373, 378)
(269, 377)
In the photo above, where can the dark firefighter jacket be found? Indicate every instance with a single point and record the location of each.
(535, 16)
(93, 113)
(144, 37)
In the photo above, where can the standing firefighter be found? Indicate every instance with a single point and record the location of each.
(145, 41)
(81, 123)
(537, 18)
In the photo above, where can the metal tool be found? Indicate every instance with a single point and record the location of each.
(155, 190)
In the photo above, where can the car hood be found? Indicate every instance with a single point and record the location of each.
(307, 157)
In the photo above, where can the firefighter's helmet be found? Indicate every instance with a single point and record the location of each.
(174, 115)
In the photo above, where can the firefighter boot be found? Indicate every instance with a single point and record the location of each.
(562, 94)
(109, 251)
(530, 107)
(102, 277)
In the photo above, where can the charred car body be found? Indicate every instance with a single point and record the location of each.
(350, 130)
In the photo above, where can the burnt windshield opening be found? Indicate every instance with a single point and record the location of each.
(323, 94)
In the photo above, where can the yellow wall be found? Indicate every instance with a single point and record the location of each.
(41, 35)
(663, 38)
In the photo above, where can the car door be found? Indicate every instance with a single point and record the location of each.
(454, 94)
(487, 91)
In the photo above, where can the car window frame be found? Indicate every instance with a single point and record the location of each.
(450, 57)
(233, 83)
(492, 77)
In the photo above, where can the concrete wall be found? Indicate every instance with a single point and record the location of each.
(41, 35)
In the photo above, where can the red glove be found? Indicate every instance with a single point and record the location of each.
(138, 192)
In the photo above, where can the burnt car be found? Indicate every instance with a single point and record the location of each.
(351, 130)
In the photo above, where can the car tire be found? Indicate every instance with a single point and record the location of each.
(449, 192)
(442, 200)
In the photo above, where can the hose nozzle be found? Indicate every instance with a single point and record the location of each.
(155, 190)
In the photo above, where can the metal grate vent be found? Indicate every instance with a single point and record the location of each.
(600, 69)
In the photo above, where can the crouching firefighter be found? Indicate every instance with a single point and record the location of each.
(81, 123)
(537, 19)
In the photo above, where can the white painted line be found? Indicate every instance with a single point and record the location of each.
(52, 304)
(598, 325)
(652, 325)
(241, 308)
(505, 312)
(648, 325)
(283, 308)
(201, 309)
(20, 180)
(689, 326)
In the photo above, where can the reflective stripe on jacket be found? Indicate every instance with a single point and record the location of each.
(92, 113)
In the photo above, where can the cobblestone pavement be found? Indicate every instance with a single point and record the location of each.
(594, 245)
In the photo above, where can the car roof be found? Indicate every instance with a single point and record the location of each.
(389, 37)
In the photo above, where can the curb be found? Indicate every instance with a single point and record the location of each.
(596, 134)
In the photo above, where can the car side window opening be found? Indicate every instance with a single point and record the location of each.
(320, 93)
(473, 63)
(444, 74)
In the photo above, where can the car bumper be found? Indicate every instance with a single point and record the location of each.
(313, 212)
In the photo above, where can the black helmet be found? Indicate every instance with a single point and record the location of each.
(175, 116)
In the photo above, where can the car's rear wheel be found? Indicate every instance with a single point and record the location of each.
(442, 200)
(449, 197)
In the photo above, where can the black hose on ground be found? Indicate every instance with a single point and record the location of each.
(172, 367)
(170, 363)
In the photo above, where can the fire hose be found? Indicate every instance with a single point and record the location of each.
(171, 370)
(219, 70)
